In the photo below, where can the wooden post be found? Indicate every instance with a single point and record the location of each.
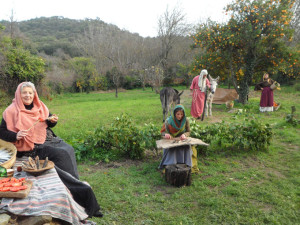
(178, 175)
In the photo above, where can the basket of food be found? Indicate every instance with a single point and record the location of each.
(8, 154)
(36, 166)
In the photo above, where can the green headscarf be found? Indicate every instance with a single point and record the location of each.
(177, 126)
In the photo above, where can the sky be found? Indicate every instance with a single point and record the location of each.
(136, 16)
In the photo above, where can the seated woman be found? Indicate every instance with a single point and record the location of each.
(177, 126)
(26, 123)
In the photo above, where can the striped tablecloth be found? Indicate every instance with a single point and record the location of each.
(48, 196)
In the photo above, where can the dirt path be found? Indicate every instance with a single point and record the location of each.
(186, 100)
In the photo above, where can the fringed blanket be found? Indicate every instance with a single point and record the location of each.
(48, 196)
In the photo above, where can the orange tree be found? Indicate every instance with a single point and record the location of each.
(252, 41)
(221, 51)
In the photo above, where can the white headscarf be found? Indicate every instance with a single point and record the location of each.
(202, 81)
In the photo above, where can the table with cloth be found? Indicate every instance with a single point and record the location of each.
(48, 196)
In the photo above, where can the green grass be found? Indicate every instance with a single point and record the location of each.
(82, 113)
(244, 188)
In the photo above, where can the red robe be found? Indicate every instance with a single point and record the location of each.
(267, 99)
(198, 98)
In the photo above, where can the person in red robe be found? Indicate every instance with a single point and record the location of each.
(267, 103)
(198, 88)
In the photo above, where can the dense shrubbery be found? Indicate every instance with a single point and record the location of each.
(251, 135)
(5, 99)
(290, 118)
(297, 86)
(18, 65)
(124, 139)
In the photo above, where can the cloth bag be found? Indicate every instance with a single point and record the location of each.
(195, 168)
(275, 85)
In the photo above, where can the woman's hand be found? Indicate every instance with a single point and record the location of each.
(21, 134)
(182, 137)
(168, 136)
(53, 118)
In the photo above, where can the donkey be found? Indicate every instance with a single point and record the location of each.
(169, 96)
(210, 95)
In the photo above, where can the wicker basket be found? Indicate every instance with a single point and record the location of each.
(9, 163)
(38, 172)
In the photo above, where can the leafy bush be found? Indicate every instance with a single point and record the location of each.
(122, 139)
(290, 118)
(126, 137)
(250, 135)
(150, 134)
(19, 65)
(5, 99)
(58, 87)
(130, 82)
(297, 86)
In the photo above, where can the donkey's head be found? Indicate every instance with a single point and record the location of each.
(213, 83)
(176, 97)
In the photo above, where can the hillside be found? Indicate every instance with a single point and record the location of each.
(50, 34)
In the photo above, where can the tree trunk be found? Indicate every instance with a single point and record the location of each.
(116, 92)
(157, 90)
(178, 175)
(231, 74)
(243, 92)
(244, 89)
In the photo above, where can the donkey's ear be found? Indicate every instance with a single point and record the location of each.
(209, 77)
(218, 78)
(181, 93)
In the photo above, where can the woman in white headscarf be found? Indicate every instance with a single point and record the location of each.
(198, 87)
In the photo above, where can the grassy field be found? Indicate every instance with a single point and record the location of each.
(244, 188)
